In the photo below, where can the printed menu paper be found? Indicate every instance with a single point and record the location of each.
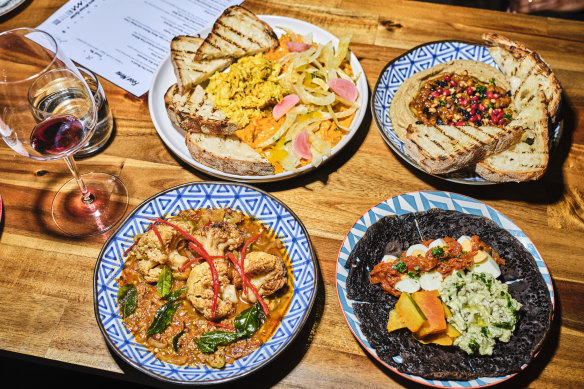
(125, 41)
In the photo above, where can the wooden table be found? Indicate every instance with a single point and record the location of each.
(46, 299)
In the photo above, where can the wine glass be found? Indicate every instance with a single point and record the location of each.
(47, 112)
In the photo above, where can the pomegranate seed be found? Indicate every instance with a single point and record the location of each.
(460, 123)
(474, 98)
(500, 114)
(453, 83)
(495, 95)
(439, 90)
(489, 95)
(482, 107)
(446, 77)
(474, 106)
(469, 90)
(472, 111)
(446, 92)
(435, 94)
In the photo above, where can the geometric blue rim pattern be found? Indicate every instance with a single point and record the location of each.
(270, 211)
(421, 58)
(420, 202)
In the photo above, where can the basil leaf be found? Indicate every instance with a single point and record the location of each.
(175, 294)
(128, 299)
(162, 318)
(246, 324)
(209, 341)
(248, 321)
(164, 284)
(177, 337)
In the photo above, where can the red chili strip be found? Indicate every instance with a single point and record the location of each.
(246, 281)
(183, 233)
(250, 241)
(189, 263)
(136, 242)
(153, 227)
(131, 247)
(222, 326)
(214, 276)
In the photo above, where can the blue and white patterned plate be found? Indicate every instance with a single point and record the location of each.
(419, 202)
(270, 211)
(403, 67)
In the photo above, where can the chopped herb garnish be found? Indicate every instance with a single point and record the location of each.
(481, 88)
(473, 345)
(437, 252)
(508, 325)
(400, 266)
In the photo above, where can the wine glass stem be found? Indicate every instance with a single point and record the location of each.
(86, 196)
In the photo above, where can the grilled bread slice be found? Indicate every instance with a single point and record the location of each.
(442, 149)
(189, 72)
(527, 159)
(195, 111)
(237, 32)
(526, 71)
(227, 154)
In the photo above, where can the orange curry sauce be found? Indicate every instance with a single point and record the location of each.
(451, 258)
(195, 324)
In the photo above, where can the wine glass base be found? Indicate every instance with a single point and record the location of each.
(76, 218)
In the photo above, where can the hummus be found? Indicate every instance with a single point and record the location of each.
(401, 115)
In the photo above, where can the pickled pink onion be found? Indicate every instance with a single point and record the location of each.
(297, 47)
(302, 146)
(284, 106)
(344, 88)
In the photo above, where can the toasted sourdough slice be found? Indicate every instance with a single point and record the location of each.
(189, 72)
(227, 154)
(195, 111)
(526, 71)
(527, 159)
(442, 149)
(237, 32)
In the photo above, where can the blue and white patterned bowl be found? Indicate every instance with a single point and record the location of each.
(403, 67)
(418, 202)
(270, 211)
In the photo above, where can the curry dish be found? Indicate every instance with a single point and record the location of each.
(205, 287)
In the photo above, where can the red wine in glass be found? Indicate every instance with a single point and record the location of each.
(57, 135)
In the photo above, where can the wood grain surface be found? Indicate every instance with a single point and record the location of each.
(46, 299)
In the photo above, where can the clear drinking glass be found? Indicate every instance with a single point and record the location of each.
(47, 112)
(105, 122)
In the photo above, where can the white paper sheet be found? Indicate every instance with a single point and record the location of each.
(124, 40)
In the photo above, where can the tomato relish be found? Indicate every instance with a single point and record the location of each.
(461, 99)
(443, 259)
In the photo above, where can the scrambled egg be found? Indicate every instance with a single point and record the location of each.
(250, 85)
